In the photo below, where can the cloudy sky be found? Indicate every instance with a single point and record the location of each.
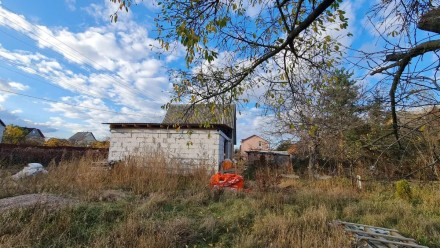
(70, 69)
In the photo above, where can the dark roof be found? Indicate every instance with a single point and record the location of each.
(253, 136)
(30, 129)
(1, 123)
(165, 126)
(201, 114)
(80, 136)
(193, 116)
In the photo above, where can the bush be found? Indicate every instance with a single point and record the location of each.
(403, 190)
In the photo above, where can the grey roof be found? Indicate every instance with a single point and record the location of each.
(201, 114)
(80, 136)
(30, 129)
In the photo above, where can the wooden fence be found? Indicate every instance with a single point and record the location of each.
(22, 154)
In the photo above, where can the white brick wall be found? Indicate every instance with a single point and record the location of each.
(175, 144)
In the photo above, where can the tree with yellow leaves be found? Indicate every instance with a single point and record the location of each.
(14, 135)
(54, 142)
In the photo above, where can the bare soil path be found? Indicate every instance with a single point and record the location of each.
(24, 201)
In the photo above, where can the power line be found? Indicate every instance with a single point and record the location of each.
(116, 80)
(55, 85)
(80, 89)
(73, 105)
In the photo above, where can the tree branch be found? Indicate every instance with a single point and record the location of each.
(292, 35)
(420, 49)
(429, 46)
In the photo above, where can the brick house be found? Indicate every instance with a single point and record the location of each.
(253, 143)
(188, 134)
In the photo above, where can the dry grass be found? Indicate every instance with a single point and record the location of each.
(162, 209)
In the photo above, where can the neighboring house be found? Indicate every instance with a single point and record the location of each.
(82, 139)
(188, 135)
(2, 130)
(34, 135)
(274, 159)
(253, 143)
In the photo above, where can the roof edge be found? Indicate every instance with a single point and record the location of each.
(166, 125)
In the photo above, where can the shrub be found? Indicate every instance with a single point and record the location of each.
(403, 190)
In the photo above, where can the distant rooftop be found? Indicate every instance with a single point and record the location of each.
(80, 136)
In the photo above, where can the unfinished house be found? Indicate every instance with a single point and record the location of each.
(189, 135)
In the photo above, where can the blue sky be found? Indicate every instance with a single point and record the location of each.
(96, 71)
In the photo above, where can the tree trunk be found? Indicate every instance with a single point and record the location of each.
(313, 159)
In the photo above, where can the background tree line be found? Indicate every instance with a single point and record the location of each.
(17, 135)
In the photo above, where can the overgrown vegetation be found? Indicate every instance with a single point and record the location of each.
(154, 208)
(11, 155)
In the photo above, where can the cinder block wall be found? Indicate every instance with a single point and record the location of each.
(199, 147)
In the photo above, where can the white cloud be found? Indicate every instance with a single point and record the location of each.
(121, 57)
(71, 4)
(111, 67)
(151, 4)
(17, 111)
(11, 87)
(92, 113)
(3, 97)
(18, 86)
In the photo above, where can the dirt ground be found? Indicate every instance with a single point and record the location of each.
(24, 201)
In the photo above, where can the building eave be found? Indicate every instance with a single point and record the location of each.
(167, 126)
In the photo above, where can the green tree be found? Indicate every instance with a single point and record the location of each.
(252, 50)
(325, 118)
(14, 135)
(284, 145)
(416, 25)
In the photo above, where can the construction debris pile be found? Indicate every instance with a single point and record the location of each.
(373, 236)
(30, 170)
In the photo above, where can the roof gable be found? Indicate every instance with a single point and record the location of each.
(201, 114)
(2, 123)
(80, 136)
(33, 131)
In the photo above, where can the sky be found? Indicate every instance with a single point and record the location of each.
(70, 68)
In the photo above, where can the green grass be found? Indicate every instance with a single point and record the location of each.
(180, 210)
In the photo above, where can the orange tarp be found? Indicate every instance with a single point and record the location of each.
(232, 181)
